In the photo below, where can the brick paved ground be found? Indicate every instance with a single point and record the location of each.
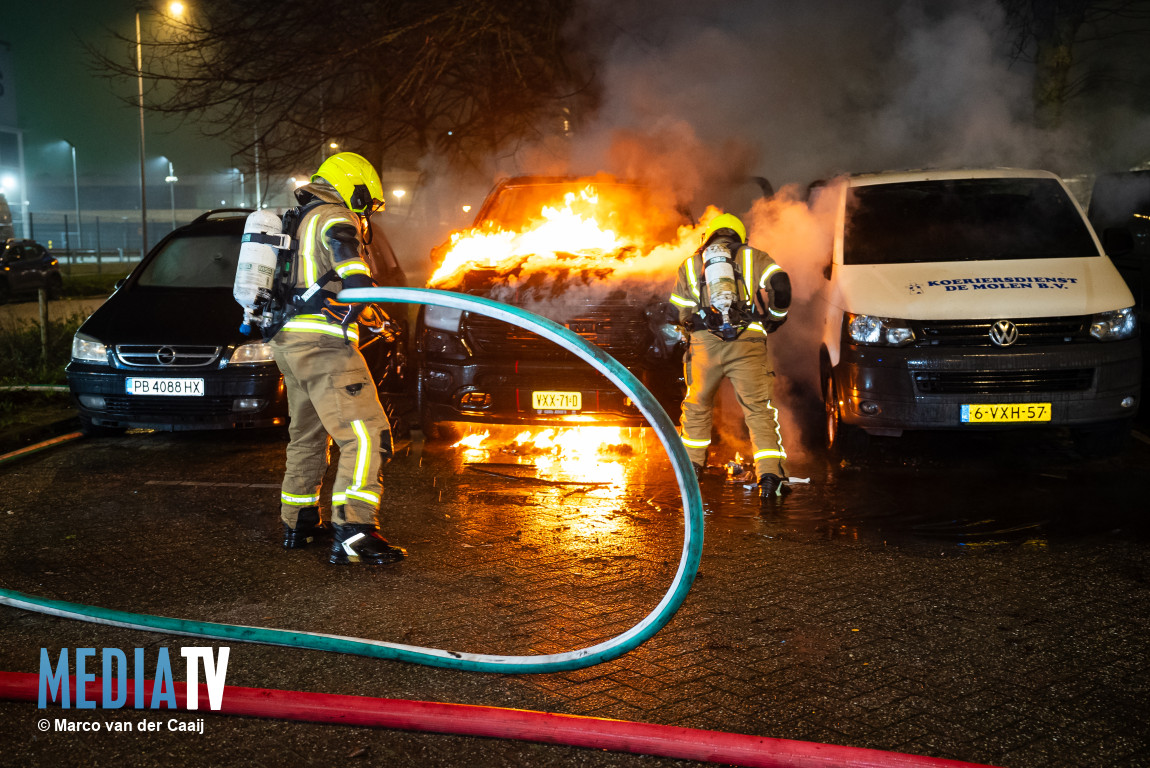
(991, 610)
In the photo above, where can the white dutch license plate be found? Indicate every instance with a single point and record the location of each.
(136, 385)
(1005, 413)
(557, 401)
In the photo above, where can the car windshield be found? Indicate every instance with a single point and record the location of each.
(963, 220)
(194, 261)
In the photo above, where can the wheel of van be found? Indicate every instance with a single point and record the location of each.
(5, 292)
(1101, 440)
(839, 439)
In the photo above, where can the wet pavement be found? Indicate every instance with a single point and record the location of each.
(975, 597)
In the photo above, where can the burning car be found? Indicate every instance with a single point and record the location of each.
(597, 255)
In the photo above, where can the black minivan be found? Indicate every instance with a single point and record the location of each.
(165, 351)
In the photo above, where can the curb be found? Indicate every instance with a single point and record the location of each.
(22, 438)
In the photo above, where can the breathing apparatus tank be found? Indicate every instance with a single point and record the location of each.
(721, 285)
(256, 268)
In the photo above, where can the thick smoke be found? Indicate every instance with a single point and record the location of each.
(699, 98)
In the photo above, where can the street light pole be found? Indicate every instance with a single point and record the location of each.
(76, 188)
(171, 179)
(143, 183)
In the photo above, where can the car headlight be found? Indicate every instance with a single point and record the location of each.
(85, 349)
(1112, 326)
(443, 318)
(252, 352)
(882, 331)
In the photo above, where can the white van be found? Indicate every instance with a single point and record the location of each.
(972, 300)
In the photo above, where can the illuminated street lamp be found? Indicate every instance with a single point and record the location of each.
(76, 189)
(171, 179)
(176, 9)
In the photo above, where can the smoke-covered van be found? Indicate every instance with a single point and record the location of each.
(972, 300)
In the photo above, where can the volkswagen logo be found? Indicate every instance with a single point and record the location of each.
(167, 355)
(1003, 333)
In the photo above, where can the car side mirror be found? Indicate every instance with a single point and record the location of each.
(120, 282)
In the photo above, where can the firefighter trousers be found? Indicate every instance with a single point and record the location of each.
(330, 391)
(744, 361)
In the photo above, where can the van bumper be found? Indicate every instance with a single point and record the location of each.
(887, 390)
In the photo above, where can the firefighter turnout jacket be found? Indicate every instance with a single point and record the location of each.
(756, 270)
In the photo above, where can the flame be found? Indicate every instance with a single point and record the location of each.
(584, 225)
(474, 441)
(573, 442)
(573, 451)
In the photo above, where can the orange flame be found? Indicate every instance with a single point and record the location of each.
(561, 443)
(474, 441)
(590, 225)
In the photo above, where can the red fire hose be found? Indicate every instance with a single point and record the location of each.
(525, 725)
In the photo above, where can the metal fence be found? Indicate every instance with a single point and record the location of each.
(97, 242)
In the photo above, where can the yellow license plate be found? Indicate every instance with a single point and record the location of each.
(985, 413)
(557, 401)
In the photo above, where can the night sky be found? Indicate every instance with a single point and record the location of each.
(802, 89)
(60, 97)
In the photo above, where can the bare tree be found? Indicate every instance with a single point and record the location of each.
(1057, 34)
(393, 79)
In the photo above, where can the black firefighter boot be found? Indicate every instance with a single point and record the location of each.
(362, 544)
(308, 528)
(771, 489)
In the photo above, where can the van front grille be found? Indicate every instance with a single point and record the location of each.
(1002, 382)
(976, 333)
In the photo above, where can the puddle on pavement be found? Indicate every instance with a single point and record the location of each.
(969, 491)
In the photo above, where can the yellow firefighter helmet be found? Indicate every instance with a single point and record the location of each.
(354, 179)
(728, 222)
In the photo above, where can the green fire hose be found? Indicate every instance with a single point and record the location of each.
(577, 659)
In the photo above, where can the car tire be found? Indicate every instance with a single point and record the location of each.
(433, 431)
(839, 439)
(5, 292)
(1101, 440)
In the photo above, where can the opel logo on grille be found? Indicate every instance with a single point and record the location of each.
(1003, 333)
(167, 355)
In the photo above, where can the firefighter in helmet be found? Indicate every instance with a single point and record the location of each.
(730, 296)
(330, 390)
